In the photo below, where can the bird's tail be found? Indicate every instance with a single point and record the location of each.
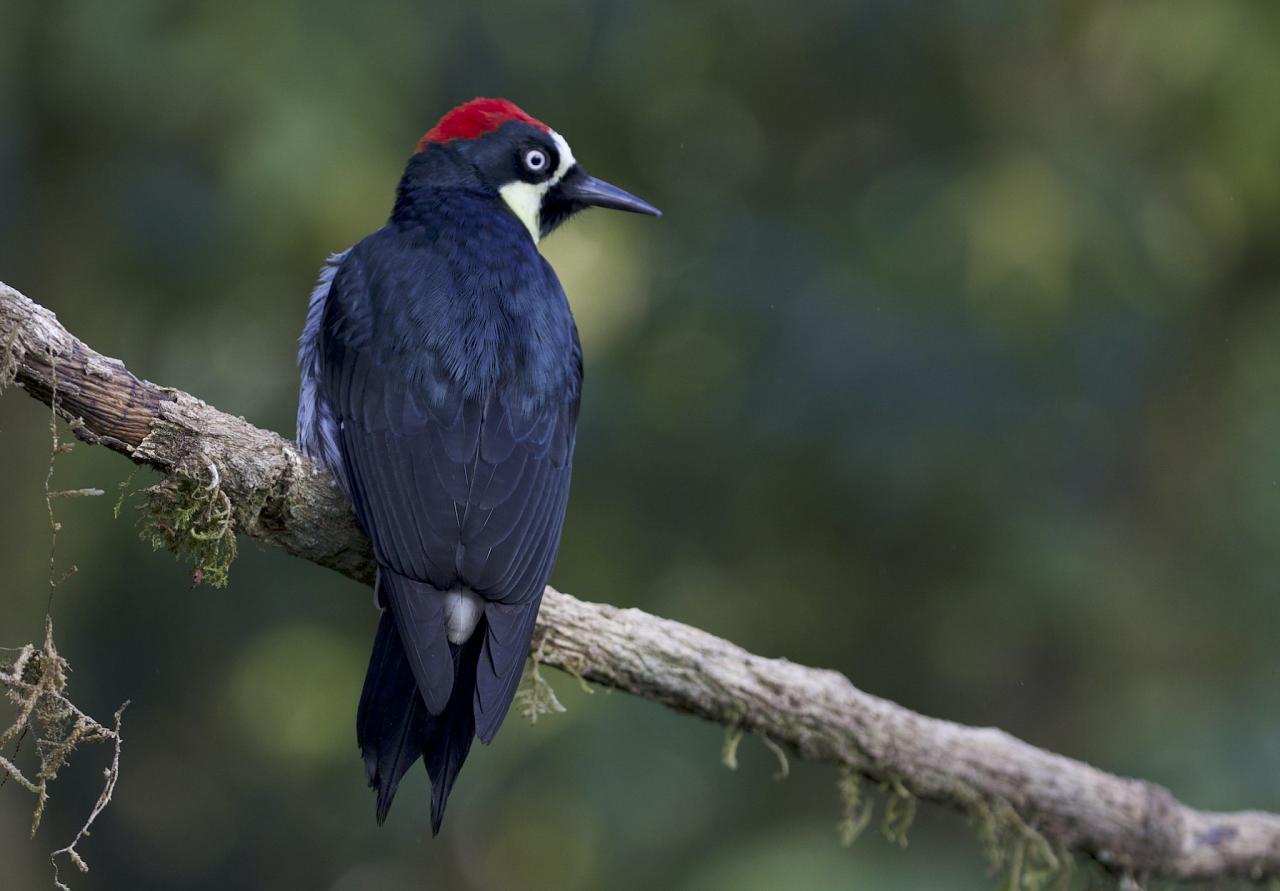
(394, 728)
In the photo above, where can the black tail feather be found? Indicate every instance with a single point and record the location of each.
(394, 728)
(446, 747)
(390, 722)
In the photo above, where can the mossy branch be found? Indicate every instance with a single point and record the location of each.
(1033, 806)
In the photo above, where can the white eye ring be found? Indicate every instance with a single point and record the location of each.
(535, 160)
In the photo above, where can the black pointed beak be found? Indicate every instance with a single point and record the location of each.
(582, 188)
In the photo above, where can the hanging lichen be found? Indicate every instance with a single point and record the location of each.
(899, 811)
(858, 806)
(536, 697)
(34, 681)
(1016, 851)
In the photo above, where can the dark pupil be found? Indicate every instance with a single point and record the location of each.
(536, 160)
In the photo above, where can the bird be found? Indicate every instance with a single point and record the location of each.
(441, 375)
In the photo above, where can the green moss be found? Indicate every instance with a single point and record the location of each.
(1022, 858)
(729, 748)
(196, 522)
(784, 764)
(899, 811)
(858, 806)
(1021, 855)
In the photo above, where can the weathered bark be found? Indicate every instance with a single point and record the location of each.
(281, 499)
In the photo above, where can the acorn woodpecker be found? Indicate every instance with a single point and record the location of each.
(441, 374)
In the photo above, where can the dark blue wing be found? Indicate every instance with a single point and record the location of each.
(456, 487)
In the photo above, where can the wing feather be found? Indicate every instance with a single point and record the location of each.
(457, 486)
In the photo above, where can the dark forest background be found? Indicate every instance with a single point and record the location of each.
(954, 365)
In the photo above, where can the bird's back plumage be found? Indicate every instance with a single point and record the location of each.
(448, 384)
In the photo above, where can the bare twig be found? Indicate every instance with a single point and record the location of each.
(1019, 795)
(112, 775)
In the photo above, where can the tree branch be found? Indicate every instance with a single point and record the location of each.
(1021, 793)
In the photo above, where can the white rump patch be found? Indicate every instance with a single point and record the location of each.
(462, 610)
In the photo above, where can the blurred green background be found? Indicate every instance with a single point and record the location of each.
(954, 365)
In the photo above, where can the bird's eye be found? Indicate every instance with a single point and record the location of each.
(535, 160)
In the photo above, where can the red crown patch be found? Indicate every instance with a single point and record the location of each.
(474, 119)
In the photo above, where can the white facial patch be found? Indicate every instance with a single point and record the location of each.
(525, 199)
